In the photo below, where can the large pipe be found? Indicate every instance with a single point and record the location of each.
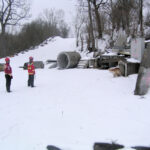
(67, 60)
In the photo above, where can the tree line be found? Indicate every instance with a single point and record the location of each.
(95, 18)
(12, 12)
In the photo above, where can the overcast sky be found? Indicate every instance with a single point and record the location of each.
(37, 6)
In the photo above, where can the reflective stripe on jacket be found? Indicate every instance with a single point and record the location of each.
(31, 69)
(7, 69)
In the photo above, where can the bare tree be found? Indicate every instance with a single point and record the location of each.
(97, 4)
(53, 16)
(79, 21)
(128, 10)
(141, 17)
(12, 12)
(91, 29)
(55, 20)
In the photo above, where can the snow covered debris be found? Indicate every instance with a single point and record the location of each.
(133, 60)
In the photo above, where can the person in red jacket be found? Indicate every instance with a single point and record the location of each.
(31, 72)
(8, 74)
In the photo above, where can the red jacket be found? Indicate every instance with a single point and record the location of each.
(31, 69)
(7, 69)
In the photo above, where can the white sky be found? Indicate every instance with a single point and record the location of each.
(37, 6)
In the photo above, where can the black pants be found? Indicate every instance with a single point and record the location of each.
(31, 80)
(8, 82)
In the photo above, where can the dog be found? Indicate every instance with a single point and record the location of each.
(116, 72)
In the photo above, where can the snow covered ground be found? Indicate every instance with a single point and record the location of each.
(70, 108)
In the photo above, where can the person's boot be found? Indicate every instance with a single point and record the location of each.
(8, 89)
(29, 83)
(32, 86)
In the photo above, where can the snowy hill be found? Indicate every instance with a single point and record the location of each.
(71, 108)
